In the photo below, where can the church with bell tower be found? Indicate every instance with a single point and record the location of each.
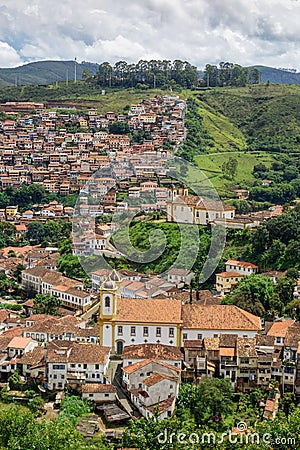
(132, 321)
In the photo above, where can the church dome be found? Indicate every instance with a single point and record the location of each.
(108, 284)
(114, 276)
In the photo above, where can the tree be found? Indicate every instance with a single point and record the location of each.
(35, 233)
(253, 294)
(285, 289)
(229, 167)
(46, 304)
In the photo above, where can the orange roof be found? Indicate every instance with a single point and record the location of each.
(229, 274)
(279, 329)
(19, 342)
(218, 317)
(148, 310)
(227, 351)
(235, 262)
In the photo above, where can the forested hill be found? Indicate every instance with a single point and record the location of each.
(44, 72)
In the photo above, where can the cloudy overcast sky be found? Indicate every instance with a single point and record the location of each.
(200, 31)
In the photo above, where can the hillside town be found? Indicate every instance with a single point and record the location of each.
(125, 339)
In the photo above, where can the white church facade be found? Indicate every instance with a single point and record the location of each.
(190, 209)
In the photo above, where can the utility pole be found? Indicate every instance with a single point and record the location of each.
(154, 81)
(75, 71)
(67, 77)
(207, 79)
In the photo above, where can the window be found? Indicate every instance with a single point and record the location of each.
(199, 336)
(96, 366)
(184, 336)
(55, 377)
(107, 302)
(216, 335)
(145, 331)
(206, 215)
(91, 395)
(120, 330)
(85, 366)
(106, 395)
(158, 331)
(244, 360)
(171, 332)
(132, 331)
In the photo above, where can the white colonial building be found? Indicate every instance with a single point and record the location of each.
(184, 208)
(135, 321)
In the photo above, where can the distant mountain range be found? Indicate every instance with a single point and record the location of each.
(44, 72)
(278, 76)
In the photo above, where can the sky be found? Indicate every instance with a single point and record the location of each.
(200, 31)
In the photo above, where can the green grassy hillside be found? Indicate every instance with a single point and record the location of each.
(268, 116)
(211, 165)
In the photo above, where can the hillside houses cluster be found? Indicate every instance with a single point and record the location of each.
(37, 147)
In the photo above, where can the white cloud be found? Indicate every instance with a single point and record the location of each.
(201, 31)
(8, 56)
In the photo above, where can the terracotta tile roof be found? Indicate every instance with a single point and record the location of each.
(152, 351)
(218, 317)
(206, 298)
(229, 274)
(15, 331)
(279, 329)
(4, 341)
(19, 342)
(264, 340)
(98, 388)
(134, 367)
(88, 353)
(32, 358)
(148, 310)
(245, 264)
(228, 340)
(225, 351)
(155, 378)
(4, 314)
(246, 348)
(211, 343)
(163, 406)
(196, 343)
(292, 337)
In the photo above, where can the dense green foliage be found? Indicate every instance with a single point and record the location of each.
(27, 196)
(73, 407)
(52, 232)
(46, 304)
(19, 430)
(197, 139)
(163, 247)
(229, 74)
(145, 74)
